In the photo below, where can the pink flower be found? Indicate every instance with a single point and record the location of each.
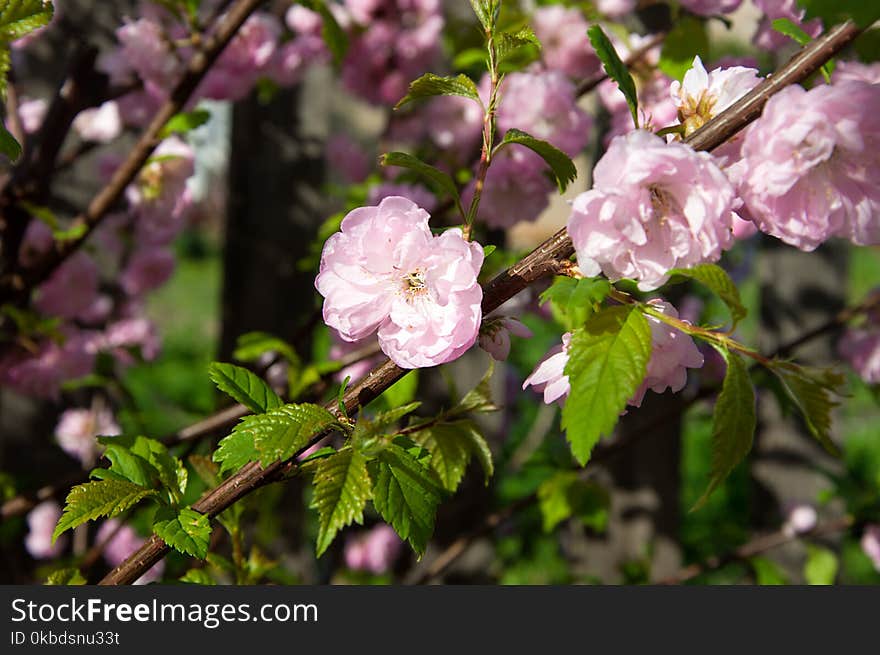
(516, 188)
(41, 374)
(347, 158)
(654, 206)
(100, 124)
(385, 271)
(711, 7)
(672, 353)
(145, 49)
(769, 39)
(454, 124)
(543, 103)
(801, 519)
(32, 113)
(871, 544)
(77, 429)
(861, 349)
(292, 58)
(701, 96)
(495, 336)
(71, 289)
(41, 521)
(656, 107)
(149, 268)
(418, 194)
(811, 165)
(129, 333)
(303, 21)
(565, 46)
(856, 71)
(37, 241)
(549, 375)
(373, 551)
(615, 8)
(121, 541)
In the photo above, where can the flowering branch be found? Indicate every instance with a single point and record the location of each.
(541, 262)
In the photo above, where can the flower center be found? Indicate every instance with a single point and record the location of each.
(696, 112)
(414, 284)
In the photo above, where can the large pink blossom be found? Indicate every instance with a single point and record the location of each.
(811, 165)
(549, 375)
(77, 430)
(373, 551)
(565, 46)
(544, 104)
(711, 7)
(856, 71)
(71, 289)
(672, 353)
(654, 206)
(768, 38)
(41, 521)
(120, 540)
(385, 271)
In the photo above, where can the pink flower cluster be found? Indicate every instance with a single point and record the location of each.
(385, 272)
(373, 551)
(654, 206)
(564, 44)
(811, 165)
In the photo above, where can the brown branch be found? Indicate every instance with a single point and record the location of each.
(104, 200)
(253, 476)
(754, 547)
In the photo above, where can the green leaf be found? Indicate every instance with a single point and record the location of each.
(718, 281)
(821, 566)
(486, 11)
(810, 390)
(574, 301)
(65, 577)
(862, 12)
(687, 39)
(92, 500)
(332, 33)
(733, 422)
(378, 424)
(21, 17)
(244, 387)
(509, 43)
(616, 69)
(451, 446)
(565, 495)
(126, 465)
(235, 450)
(253, 345)
(796, 34)
(438, 179)
(133, 454)
(767, 572)
(401, 392)
(560, 164)
(186, 530)
(607, 362)
(198, 576)
(280, 433)
(406, 495)
(478, 399)
(342, 488)
(185, 122)
(430, 85)
(9, 146)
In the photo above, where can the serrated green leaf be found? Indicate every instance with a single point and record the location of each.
(796, 34)
(406, 495)
(509, 43)
(65, 577)
(862, 12)
(486, 12)
(821, 566)
(687, 39)
(92, 500)
(733, 422)
(126, 465)
(575, 300)
(185, 531)
(450, 448)
(245, 387)
(478, 399)
(438, 179)
(133, 452)
(565, 495)
(719, 282)
(9, 145)
(615, 69)
(342, 488)
(185, 122)
(281, 432)
(430, 85)
(607, 362)
(235, 450)
(560, 164)
(21, 17)
(810, 390)
(372, 426)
